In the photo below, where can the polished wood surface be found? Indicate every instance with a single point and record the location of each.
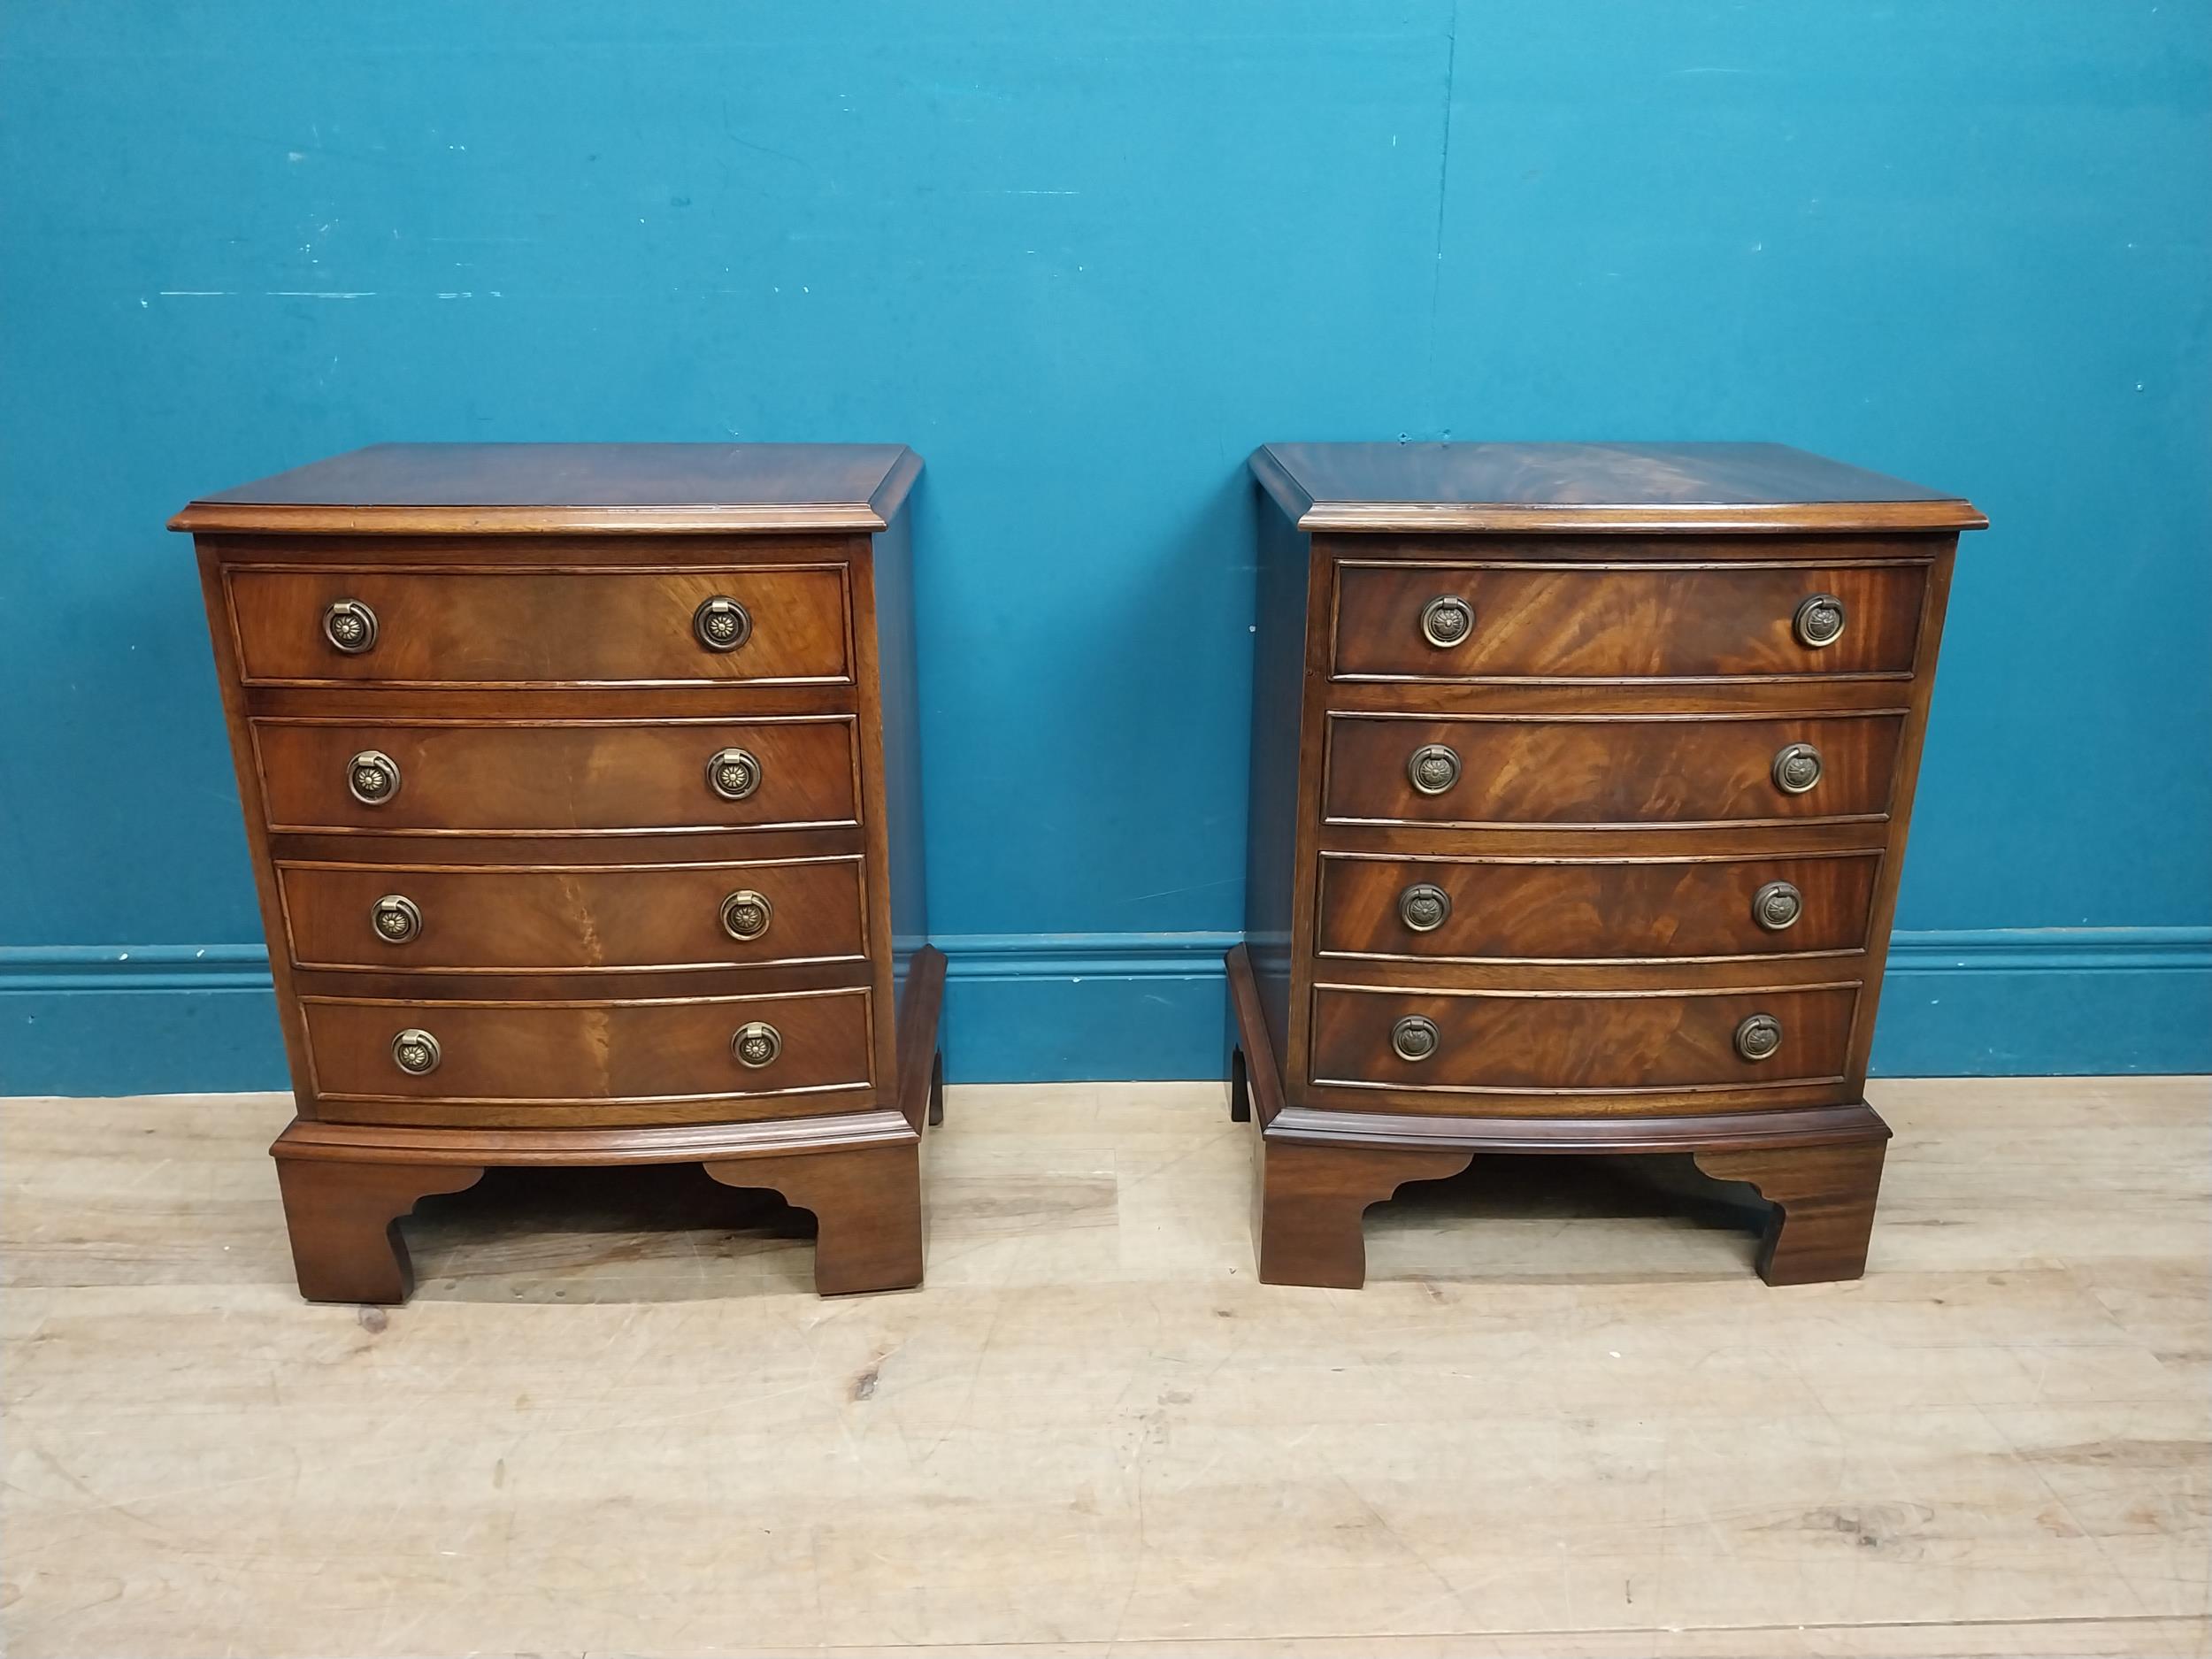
(558, 777)
(530, 627)
(571, 488)
(582, 917)
(1444, 487)
(1648, 908)
(867, 1203)
(1520, 719)
(344, 1219)
(543, 890)
(1563, 1418)
(1595, 771)
(648, 1054)
(1613, 621)
(1578, 1044)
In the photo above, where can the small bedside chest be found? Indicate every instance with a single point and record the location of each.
(582, 788)
(1580, 778)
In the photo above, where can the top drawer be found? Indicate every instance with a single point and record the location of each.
(1471, 621)
(767, 625)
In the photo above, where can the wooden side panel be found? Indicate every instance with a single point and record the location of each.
(898, 681)
(1279, 654)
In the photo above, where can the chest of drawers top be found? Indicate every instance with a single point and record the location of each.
(572, 488)
(1659, 488)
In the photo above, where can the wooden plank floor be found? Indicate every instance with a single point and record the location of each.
(1563, 1419)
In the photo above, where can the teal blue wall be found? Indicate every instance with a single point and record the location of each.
(1083, 258)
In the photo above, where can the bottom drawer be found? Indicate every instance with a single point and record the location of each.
(1512, 1041)
(637, 1053)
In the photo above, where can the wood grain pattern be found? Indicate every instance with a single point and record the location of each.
(588, 918)
(1587, 910)
(557, 777)
(523, 627)
(1575, 1043)
(1598, 770)
(637, 1052)
(1608, 622)
(1995, 1445)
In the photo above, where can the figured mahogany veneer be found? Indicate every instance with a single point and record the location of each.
(583, 791)
(1583, 835)
(1620, 621)
(543, 777)
(1505, 909)
(547, 1060)
(1598, 769)
(574, 917)
(529, 628)
(1574, 1046)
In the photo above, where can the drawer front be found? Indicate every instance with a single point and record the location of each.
(1509, 1041)
(529, 628)
(1623, 621)
(1605, 770)
(558, 777)
(488, 920)
(1592, 909)
(490, 1053)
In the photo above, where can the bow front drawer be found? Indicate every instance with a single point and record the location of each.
(773, 625)
(489, 919)
(1600, 770)
(1509, 1041)
(1482, 909)
(557, 777)
(1624, 621)
(488, 1054)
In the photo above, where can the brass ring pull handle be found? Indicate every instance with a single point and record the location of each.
(721, 624)
(1447, 621)
(1425, 907)
(1819, 621)
(1433, 768)
(1776, 905)
(349, 625)
(733, 773)
(372, 776)
(1796, 768)
(756, 1044)
(1414, 1038)
(1759, 1037)
(395, 919)
(746, 914)
(416, 1052)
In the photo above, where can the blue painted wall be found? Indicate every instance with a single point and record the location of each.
(1083, 258)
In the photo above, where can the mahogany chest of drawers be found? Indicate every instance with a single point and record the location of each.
(1580, 780)
(582, 788)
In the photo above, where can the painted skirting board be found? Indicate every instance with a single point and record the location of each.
(91, 1020)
